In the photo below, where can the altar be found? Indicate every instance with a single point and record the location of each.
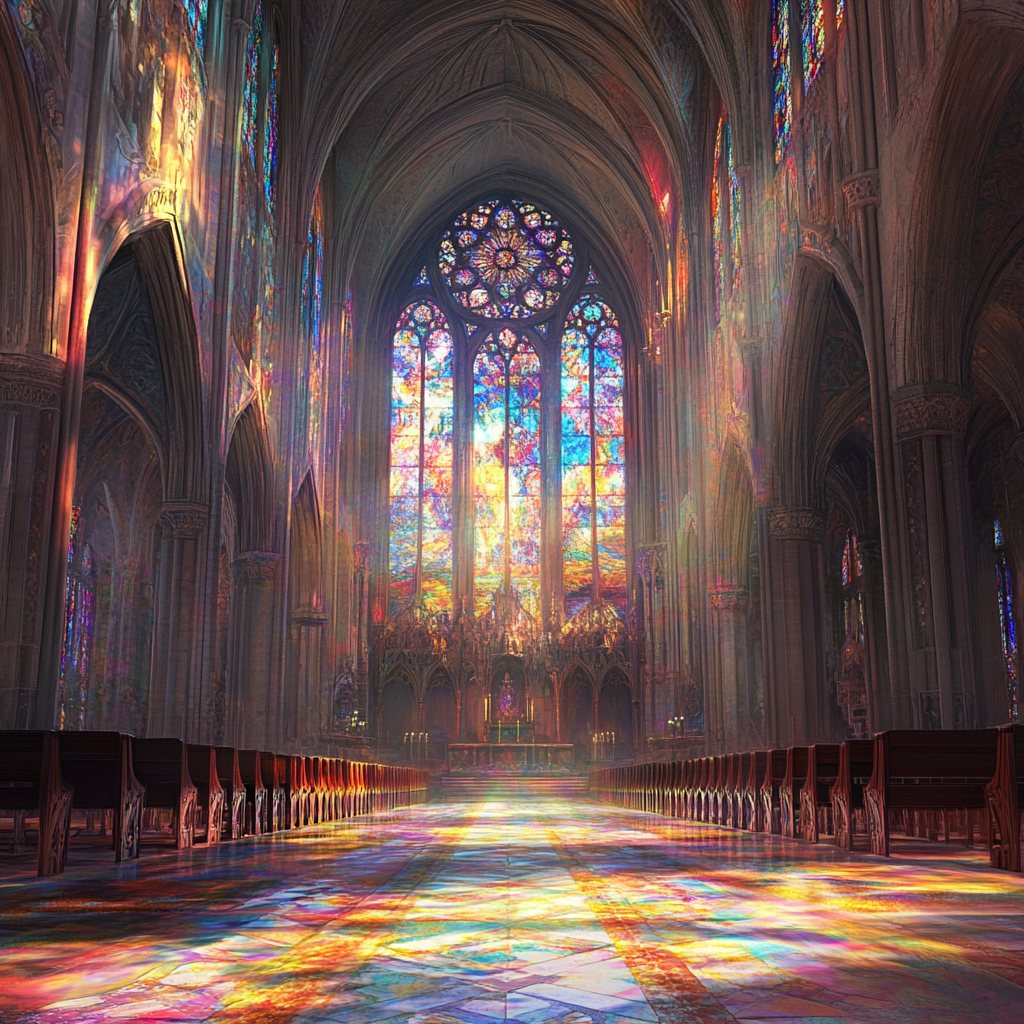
(510, 755)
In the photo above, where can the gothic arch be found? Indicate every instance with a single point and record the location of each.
(305, 563)
(985, 58)
(26, 209)
(248, 476)
(735, 520)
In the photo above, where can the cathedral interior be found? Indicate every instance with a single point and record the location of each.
(511, 510)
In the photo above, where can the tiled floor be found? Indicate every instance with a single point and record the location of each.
(535, 912)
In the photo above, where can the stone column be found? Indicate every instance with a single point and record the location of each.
(31, 390)
(253, 720)
(931, 421)
(175, 695)
(797, 624)
(731, 731)
(307, 709)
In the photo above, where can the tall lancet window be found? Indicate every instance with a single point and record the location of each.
(486, 460)
(506, 470)
(422, 409)
(593, 458)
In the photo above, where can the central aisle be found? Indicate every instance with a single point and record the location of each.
(538, 912)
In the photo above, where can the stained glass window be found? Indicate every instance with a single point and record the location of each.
(422, 410)
(270, 135)
(1007, 621)
(735, 214)
(312, 305)
(593, 458)
(79, 600)
(506, 259)
(195, 14)
(840, 11)
(717, 218)
(251, 85)
(781, 82)
(813, 41)
(506, 470)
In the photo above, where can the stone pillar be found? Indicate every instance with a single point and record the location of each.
(175, 695)
(306, 707)
(253, 720)
(797, 624)
(733, 711)
(31, 389)
(940, 693)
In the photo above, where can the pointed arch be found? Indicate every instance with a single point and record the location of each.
(248, 477)
(305, 563)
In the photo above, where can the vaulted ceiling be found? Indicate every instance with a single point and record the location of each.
(413, 111)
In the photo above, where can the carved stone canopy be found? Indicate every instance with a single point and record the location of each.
(730, 600)
(935, 408)
(788, 522)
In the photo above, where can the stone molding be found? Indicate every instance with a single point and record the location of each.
(310, 617)
(730, 600)
(861, 190)
(255, 567)
(183, 518)
(31, 380)
(931, 409)
(1017, 448)
(796, 523)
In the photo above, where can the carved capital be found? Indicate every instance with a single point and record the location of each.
(309, 617)
(183, 518)
(931, 409)
(255, 567)
(32, 380)
(861, 190)
(650, 563)
(796, 523)
(730, 600)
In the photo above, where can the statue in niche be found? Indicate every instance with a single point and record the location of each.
(508, 699)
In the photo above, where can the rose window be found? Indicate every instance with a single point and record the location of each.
(506, 259)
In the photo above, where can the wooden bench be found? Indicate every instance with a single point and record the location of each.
(99, 767)
(31, 780)
(815, 796)
(754, 820)
(271, 771)
(234, 792)
(202, 768)
(162, 767)
(927, 770)
(1005, 797)
(250, 768)
(856, 761)
(789, 791)
(774, 776)
(297, 792)
(741, 772)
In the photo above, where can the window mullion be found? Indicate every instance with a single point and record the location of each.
(595, 588)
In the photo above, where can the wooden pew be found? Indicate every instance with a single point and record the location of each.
(789, 791)
(31, 780)
(927, 770)
(815, 796)
(771, 784)
(741, 774)
(271, 773)
(250, 768)
(702, 795)
(754, 820)
(99, 767)
(161, 765)
(856, 761)
(337, 788)
(202, 769)
(234, 792)
(1005, 797)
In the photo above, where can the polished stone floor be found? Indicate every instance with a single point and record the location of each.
(535, 911)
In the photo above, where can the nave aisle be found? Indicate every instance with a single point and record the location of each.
(546, 911)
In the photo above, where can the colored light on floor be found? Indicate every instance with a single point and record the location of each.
(534, 911)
